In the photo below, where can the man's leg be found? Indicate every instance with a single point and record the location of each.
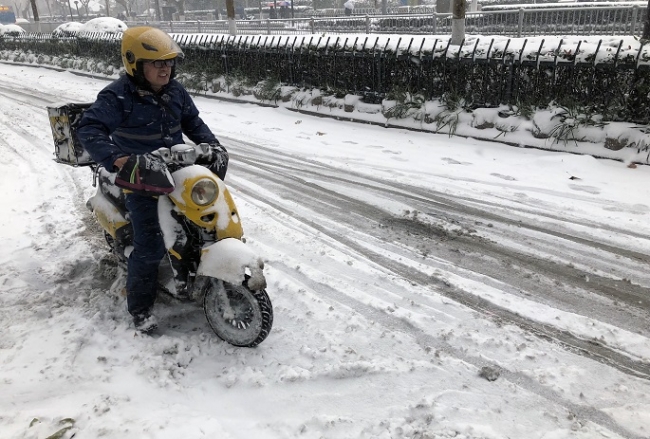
(148, 250)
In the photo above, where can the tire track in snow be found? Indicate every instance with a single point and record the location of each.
(469, 250)
(597, 351)
(491, 211)
(426, 340)
(321, 200)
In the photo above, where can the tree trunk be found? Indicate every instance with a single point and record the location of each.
(125, 5)
(179, 5)
(49, 8)
(35, 11)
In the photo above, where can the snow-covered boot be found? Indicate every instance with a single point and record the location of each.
(145, 323)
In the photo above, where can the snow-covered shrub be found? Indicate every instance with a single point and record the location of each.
(268, 90)
(569, 120)
(301, 98)
(106, 25)
(401, 105)
(69, 29)
(199, 83)
(12, 30)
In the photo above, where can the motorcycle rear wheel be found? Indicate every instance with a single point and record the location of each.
(238, 315)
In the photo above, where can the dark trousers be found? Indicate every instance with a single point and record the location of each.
(148, 250)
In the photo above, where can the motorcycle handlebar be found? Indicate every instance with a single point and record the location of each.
(184, 154)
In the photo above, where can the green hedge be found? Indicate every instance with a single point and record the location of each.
(617, 89)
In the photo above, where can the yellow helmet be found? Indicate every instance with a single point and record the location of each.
(146, 43)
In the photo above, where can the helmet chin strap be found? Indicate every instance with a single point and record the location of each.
(138, 75)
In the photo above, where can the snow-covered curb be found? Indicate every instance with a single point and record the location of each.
(622, 141)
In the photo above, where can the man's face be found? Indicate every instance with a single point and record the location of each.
(158, 72)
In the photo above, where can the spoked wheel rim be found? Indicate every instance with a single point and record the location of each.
(244, 312)
(238, 315)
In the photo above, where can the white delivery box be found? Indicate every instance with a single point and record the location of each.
(64, 119)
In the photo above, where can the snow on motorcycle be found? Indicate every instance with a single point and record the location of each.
(207, 260)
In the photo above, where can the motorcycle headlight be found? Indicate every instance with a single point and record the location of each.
(204, 192)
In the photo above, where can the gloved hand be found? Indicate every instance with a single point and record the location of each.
(216, 159)
(146, 174)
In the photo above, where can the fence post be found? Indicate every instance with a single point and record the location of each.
(312, 24)
(635, 11)
(268, 26)
(198, 25)
(435, 22)
(638, 55)
(617, 52)
(521, 22)
(367, 24)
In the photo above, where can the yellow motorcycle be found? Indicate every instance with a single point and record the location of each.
(207, 260)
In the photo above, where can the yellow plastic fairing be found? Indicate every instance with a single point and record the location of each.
(220, 216)
(107, 215)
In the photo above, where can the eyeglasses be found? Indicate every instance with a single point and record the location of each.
(159, 64)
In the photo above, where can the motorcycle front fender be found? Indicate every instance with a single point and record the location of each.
(230, 260)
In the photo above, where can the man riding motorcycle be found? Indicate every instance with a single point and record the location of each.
(140, 112)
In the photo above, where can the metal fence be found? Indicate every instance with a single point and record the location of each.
(532, 20)
(522, 22)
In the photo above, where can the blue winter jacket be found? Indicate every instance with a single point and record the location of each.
(127, 119)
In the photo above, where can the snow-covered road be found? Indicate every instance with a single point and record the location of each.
(400, 264)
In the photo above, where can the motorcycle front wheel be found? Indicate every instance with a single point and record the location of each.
(238, 315)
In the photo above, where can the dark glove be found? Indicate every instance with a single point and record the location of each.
(146, 174)
(216, 160)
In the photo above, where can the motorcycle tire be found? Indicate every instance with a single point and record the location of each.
(247, 317)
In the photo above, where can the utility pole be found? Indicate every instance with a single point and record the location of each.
(646, 25)
(458, 21)
(230, 11)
